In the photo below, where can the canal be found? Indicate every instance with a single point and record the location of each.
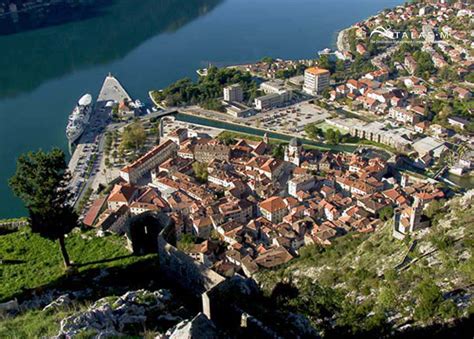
(256, 131)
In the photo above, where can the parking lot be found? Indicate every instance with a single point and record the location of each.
(289, 119)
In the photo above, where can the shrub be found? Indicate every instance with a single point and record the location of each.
(429, 299)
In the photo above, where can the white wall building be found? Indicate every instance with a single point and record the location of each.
(274, 86)
(234, 93)
(315, 80)
(300, 183)
(272, 100)
(133, 172)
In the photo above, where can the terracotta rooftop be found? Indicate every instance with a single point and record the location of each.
(93, 212)
(317, 71)
(137, 163)
(122, 193)
(273, 204)
(273, 257)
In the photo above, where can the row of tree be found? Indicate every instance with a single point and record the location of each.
(331, 136)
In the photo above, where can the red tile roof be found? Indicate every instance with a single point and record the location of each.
(137, 163)
(122, 193)
(94, 211)
(273, 204)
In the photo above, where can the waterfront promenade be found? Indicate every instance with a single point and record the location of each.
(87, 163)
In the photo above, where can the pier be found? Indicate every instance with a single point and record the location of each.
(86, 159)
(112, 90)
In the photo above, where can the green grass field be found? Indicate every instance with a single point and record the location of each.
(31, 262)
(33, 324)
(325, 126)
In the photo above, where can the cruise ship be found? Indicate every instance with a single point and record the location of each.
(79, 118)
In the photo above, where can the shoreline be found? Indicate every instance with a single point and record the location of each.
(341, 41)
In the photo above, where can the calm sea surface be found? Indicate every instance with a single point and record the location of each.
(147, 44)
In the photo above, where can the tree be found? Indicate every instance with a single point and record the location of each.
(429, 298)
(40, 181)
(278, 151)
(425, 64)
(312, 131)
(267, 60)
(200, 171)
(227, 138)
(291, 72)
(133, 137)
(316, 300)
(470, 78)
(213, 105)
(340, 66)
(333, 136)
(185, 91)
(326, 63)
(448, 74)
(386, 213)
(326, 93)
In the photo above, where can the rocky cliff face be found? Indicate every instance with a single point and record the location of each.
(198, 327)
(128, 314)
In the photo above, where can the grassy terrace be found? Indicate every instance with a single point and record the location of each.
(34, 324)
(103, 267)
(31, 263)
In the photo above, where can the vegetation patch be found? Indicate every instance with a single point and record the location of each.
(34, 324)
(30, 261)
(357, 285)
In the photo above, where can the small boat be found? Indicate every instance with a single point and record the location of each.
(202, 72)
(325, 51)
(138, 104)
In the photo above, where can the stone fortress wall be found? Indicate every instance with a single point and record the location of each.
(188, 273)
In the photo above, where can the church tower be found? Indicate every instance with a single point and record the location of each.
(404, 180)
(415, 217)
(293, 152)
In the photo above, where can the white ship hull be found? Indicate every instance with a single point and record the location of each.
(79, 119)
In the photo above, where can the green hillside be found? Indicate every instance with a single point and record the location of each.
(375, 284)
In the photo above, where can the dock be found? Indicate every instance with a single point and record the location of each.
(86, 160)
(112, 90)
